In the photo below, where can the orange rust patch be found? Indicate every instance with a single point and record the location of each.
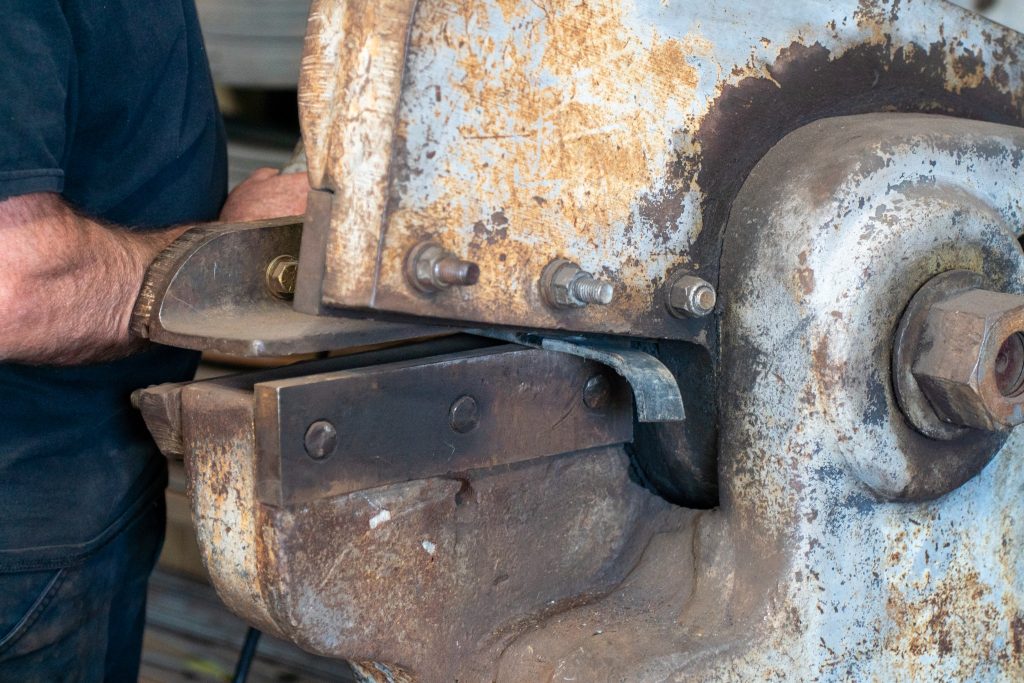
(805, 275)
(954, 616)
(546, 116)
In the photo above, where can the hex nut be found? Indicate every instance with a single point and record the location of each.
(970, 363)
(282, 274)
(691, 297)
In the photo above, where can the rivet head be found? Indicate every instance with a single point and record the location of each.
(464, 414)
(597, 392)
(321, 439)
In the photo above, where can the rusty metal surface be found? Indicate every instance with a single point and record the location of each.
(655, 389)
(396, 422)
(847, 545)
(817, 566)
(209, 291)
(160, 407)
(432, 577)
(615, 135)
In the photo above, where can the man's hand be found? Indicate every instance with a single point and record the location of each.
(68, 283)
(267, 193)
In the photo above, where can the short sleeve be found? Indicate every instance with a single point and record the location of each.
(36, 67)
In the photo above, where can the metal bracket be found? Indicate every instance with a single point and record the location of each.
(325, 435)
(209, 291)
(655, 388)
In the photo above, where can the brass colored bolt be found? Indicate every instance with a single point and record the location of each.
(430, 268)
(565, 285)
(281, 275)
(691, 297)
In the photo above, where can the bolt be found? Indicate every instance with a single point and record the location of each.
(565, 285)
(321, 439)
(454, 271)
(597, 392)
(430, 268)
(281, 275)
(691, 297)
(464, 414)
(1009, 366)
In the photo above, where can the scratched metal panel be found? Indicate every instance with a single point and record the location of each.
(848, 547)
(615, 134)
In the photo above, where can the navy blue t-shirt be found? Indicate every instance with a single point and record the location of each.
(109, 103)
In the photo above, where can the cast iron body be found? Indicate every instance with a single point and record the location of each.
(849, 533)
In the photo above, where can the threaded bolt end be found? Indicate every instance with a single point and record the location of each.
(454, 271)
(590, 290)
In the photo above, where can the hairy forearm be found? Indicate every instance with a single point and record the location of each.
(68, 283)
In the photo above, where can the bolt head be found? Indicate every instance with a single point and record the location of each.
(691, 297)
(464, 414)
(321, 439)
(970, 364)
(282, 274)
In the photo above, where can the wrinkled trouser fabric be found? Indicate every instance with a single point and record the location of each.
(82, 622)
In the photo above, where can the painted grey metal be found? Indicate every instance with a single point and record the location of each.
(847, 546)
(611, 134)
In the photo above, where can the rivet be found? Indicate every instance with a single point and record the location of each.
(321, 439)
(597, 392)
(464, 415)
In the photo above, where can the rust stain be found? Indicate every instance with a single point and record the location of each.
(955, 617)
(805, 275)
(556, 143)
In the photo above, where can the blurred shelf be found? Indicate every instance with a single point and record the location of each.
(254, 43)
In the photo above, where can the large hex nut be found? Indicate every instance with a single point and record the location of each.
(970, 364)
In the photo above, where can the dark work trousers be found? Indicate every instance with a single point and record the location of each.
(82, 622)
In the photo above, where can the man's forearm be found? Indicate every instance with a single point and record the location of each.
(68, 283)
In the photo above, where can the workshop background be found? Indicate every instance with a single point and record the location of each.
(255, 48)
